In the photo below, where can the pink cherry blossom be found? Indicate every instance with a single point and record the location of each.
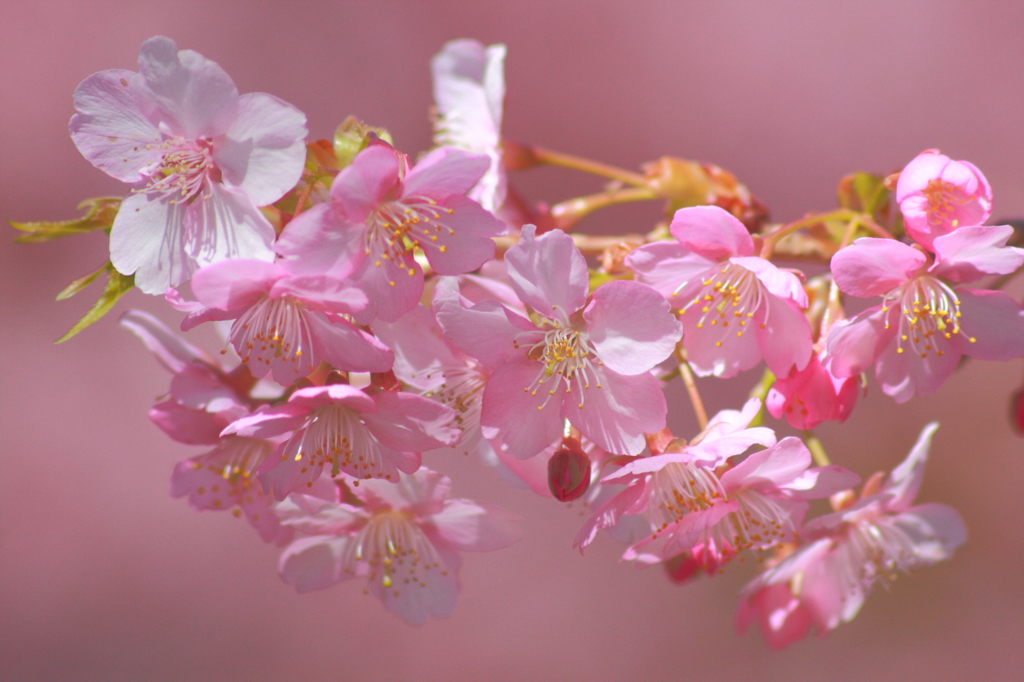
(924, 326)
(404, 538)
(362, 435)
(469, 88)
(287, 323)
(825, 581)
(736, 308)
(585, 361)
(811, 396)
(938, 195)
(700, 505)
(200, 158)
(378, 208)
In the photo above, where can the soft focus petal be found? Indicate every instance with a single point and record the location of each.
(475, 527)
(904, 375)
(631, 327)
(935, 529)
(854, 344)
(905, 480)
(173, 353)
(314, 563)
(995, 322)
(404, 421)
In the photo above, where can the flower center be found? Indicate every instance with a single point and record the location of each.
(679, 488)
(398, 226)
(566, 355)
(877, 549)
(184, 171)
(334, 435)
(929, 313)
(462, 391)
(943, 199)
(275, 330)
(238, 457)
(395, 551)
(730, 296)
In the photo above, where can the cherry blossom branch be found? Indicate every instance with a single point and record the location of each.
(816, 448)
(691, 389)
(568, 213)
(834, 307)
(770, 240)
(540, 155)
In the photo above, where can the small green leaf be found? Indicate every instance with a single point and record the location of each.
(352, 136)
(117, 286)
(99, 215)
(82, 282)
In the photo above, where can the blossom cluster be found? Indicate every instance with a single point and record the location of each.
(375, 310)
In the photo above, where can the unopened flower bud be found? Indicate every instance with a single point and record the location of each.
(569, 471)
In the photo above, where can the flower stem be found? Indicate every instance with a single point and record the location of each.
(691, 388)
(771, 239)
(553, 158)
(816, 448)
(760, 391)
(569, 212)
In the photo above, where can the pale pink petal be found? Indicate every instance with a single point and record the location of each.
(264, 151)
(319, 292)
(779, 282)
(995, 322)
(200, 387)
(631, 327)
(226, 225)
(392, 288)
(421, 354)
(268, 422)
(314, 563)
(711, 232)
(482, 331)
(904, 375)
(323, 239)
(146, 239)
(916, 175)
(532, 472)
(719, 350)
(784, 336)
(935, 529)
(821, 482)
(475, 527)
(629, 501)
(667, 267)
(548, 272)
(874, 267)
(333, 394)
(347, 347)
(256, 505)
(195, 312)
(234, 284)
(110, 131)
(445, 171)
(905, 480)
(185, 90)
(404, 421)
(316, 516)
(185, 425)
(363, 185)
(434, 596)
(616, 411)
(517, 416)
(464, 241)
(855, 344)
(173, 353)
(771, 467)
(970, 253)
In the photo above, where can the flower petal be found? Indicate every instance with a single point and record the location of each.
(854, 344)
(995, 322)
(517, 416)
(874, 267)
(475, 527)
(616, 411)
(711, 232)
(970, 253)
(631, 327)
(667, 267)
(314, 563)
(445, 171)
(548, 272)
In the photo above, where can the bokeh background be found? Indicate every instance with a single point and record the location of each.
(104, 577)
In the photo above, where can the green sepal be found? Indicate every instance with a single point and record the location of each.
(117, 286)
(99, 215)
(352, 136)
(82, 282)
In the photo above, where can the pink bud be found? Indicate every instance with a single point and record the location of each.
(1017, 412)
(569, 471)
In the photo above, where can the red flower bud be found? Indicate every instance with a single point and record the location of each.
(569, 471)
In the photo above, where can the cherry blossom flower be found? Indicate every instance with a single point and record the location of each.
(736, 308)
(825, 581)
(938, 195)
(379, 208)
(924, 326)
(365, 436)
(287, 323)
(404, 538)
(469, 89)
(811, 396)
(700, 505)
(588, 362)
(200, 157)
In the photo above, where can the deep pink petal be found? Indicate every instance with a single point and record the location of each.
(780, 615)
(518, 416)
(110, 130)
(364, 184)
(711, 232)
(854, 344)
(784, 337)
(548, 272)
(323, 239)
(615, 411)
(464, 241)
(995, 322)
(333, 394)
(874, 267)
(631, 327)
(264, 150)
(445, 171)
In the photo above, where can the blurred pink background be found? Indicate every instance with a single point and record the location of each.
(104, 577)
